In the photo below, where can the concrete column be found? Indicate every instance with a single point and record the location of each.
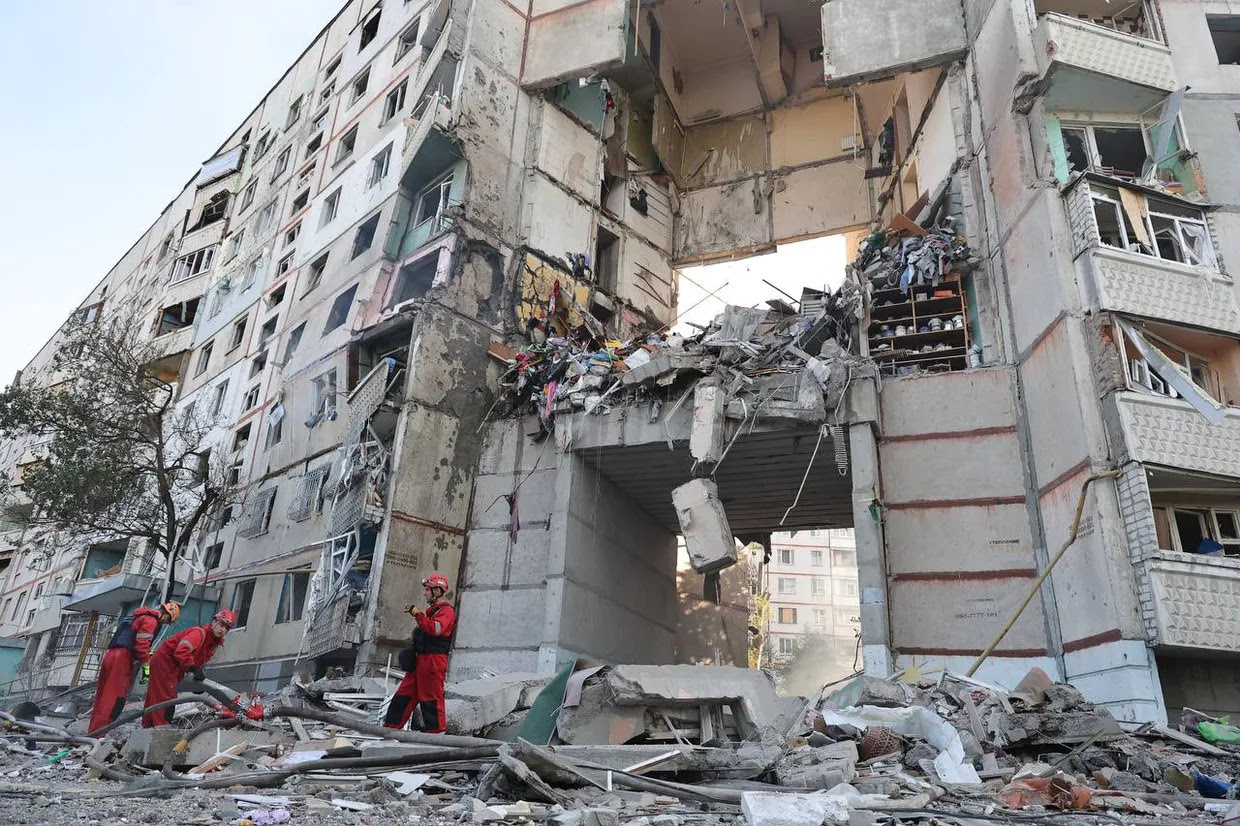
(871, 551)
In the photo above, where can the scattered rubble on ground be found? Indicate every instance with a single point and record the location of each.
(634, 745)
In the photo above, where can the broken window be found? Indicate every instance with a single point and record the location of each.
(379, 165)
(1225, 32)
(395, 101)
(370, 28)
(276, 297)
(339, 312)
(263, 223)
(415, 279)
(267, 330)
(294, 111)
(242, 437)
(292, 597)
(252, 270)
(360, 85)
(309, 498)
(243, 595)
(238, 334)
(214, 210)
(1194, 529)
(234, 475)
(247, 196)
(365, 235)
(177, 316)
(325, 395)
(1113, 150)
(234, 244)
(314, 144)
(165, 248)
(213, 556)
(294, 339)
(330, 70)
(787, 616)
(433, 201)
(344, 147)
(607, 261)
(264, 143)
(249, 402)
(407, 40)
(299, 203)
(284, 265)
(275, 426)
(1158, 365)
(315, 273)
(204, 358)
(282, 163)
(217, 400)
(195, 263)
(787, 585)
(291, 234)
(1146, 224)
(331, 206)
(257, 364)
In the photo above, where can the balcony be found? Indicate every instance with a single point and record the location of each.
(47, 613)
(1170, 433)
(111, 594)
(1194, 601)
(1087, 67)
(1150, 287)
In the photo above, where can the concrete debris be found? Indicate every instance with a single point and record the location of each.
(704, 525)
(640, 746)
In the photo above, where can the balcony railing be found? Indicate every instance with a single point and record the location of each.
(1193, 601)
(1169, 432)
(1061, 41)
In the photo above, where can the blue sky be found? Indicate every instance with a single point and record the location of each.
(109, 107)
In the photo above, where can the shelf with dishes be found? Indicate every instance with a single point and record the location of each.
(923, 331)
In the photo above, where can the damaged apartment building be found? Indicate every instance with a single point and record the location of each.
(441, 205)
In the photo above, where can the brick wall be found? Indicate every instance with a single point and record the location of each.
(1138, 516)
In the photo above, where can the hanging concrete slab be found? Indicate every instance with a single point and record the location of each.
(863, 40)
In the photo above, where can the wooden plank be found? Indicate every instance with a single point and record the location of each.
(223, 757)
(1190, 741)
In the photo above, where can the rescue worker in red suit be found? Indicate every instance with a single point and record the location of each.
(423, 685)
(130, 644)
(187, 652)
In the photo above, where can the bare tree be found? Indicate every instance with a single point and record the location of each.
(116, 461)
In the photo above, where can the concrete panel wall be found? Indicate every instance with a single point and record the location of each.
(717, 91)
(961, 538)
(968, 467)
(723, 219)
(1053, 408)
(554, 222)
(937, 617)
(732, 149)
(1192, 50)
(820, 200)
(569, 153)
(575, 41)
(816, 131)
(865, 39)
(918, 406)
(1032, 255)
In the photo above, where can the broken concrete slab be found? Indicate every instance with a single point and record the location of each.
(704, 525)
(871, 691)
(1059, 728)
(785, 809)
(707, 441)
(150, 747)
(818, 768)
(743, 763)
(667, 361)
(472, 705)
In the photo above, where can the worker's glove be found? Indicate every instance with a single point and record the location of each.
(198, 674)
(413, 610)
(146, 674)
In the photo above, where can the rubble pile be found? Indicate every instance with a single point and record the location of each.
(750, 353)
(638, 745)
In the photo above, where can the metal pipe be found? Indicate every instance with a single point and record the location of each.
(1037, 584)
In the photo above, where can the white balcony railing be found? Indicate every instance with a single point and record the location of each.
(1195, 601)
(1062, 41)
(1169, 432)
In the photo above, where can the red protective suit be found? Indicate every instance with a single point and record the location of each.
(424, 685)
(130, 644)
(181, 653)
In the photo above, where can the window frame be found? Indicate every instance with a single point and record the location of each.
(331, 207)
(242, 612)
(283, 161)
(406, 44)
(359, 86)
(394, 102)
(286, 613)
(204, 358)
(346, 144)
(380, 165)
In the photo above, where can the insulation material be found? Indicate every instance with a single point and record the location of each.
(704, 525)
(952, 764)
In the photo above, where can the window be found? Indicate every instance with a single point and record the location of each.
(291, 235)
(165, 248)
(317, 267)
(264, 143)
(787, 616)
(331, 206)
(320, 120)
(243, 595)
(294, 338)
(395, 101)
(339, 312)
(238, 334)
(360, 85)
(330, 71)
(217, 402)
(785, 556)
(247, 196)
(276, 298)
(234, 244)
(1153, 362)
(843, 559)
(250, 401)
(365, 235)
(214, 210)
(787, 646)
(196, 263)
(213, 556)
(1118, 150)
(787, 585)
(415, 279)
(607, 260)
(1148, 225)
(257, 364)
(433, 200)
(818, 587)
(292, 597)
(328, 91)
(242, 437)
(1225, 32)
(204, 358)
(252, 269)
(344, 147)
(1205, 531)
(294, 111)
(299, 203)
(234, 474)
(267, 330)
(282, 162)
(275, 425)
(846, 587)
(379, 167)
(265, 218)
(177, 316)
(407, 40)
(816, 558)
(843, 616)
(286, 263)
(314, 144)
(820, 617)
(370, 28)
(325, 395)
(310, 494)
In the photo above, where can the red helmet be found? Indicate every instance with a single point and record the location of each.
(226, 618)
(436, 581)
